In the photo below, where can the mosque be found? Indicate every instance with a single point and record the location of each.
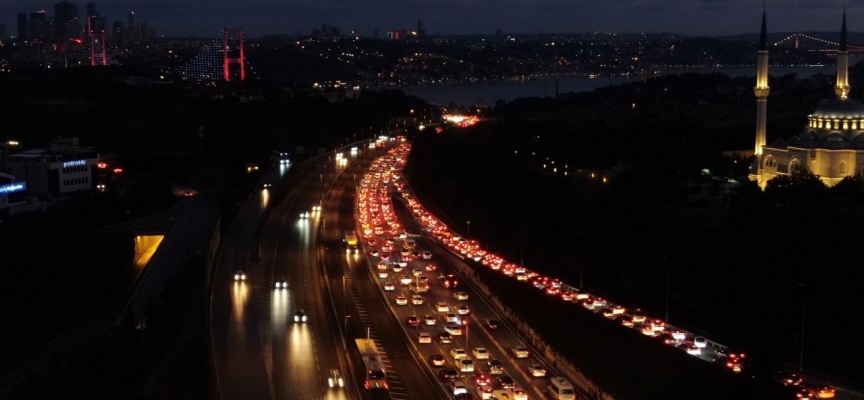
(832, 142)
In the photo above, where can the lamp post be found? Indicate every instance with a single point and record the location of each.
(487, 228)
(803, 310)
(468, 234)
(667, 287)
(521, 242)
(581, 258)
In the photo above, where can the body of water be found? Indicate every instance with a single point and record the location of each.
(489, 93)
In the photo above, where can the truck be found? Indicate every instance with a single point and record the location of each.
(351, 242)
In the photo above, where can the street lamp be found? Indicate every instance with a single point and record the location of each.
(487, 228)
(521, 242)
(667, 286)
(581, 258)
(803, 309)
(468, 234)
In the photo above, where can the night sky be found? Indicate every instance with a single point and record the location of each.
(258, 17)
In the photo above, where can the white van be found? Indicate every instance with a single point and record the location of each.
(560, 389)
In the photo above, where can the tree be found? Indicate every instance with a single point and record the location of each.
(800, 186)
(851, 187)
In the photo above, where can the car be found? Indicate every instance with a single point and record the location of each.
(658, 325)
(537, 370)
(481, 379)
(239, 276)
(445, 338)
(188, 193)
(492, 324)
(453, 318)
(401, 300)
(266, 185)
(824, 392)
(678, 335)
(505, 382)
(389, 286)
(803, 393)
(424, 337)
(700, 342)
(501, 394)
(300, 316)
(397, 268)
(382, 265)
(485, 391)
(431, 267)
(335, 379)
(460, 296)
(518, 393)
(429, 320)
(494, 367)
(417, 300)
(448, 374)
(627, 321)
(638, 317)
(465, 364)
(458, 353)
(458, 387)
(373, 251)
(417, 271)
(406, 280)
(412, 320)
(304, 215)
(520, 352)
(281, 283)
(316, 208)
(691, 349)
(480, 353)
(442, 307)
(426, 254)
(790, 379)
(383, 275)
(463, 310)
(436, 360)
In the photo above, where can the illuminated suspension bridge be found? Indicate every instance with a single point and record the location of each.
(811, 43)
(221, 59)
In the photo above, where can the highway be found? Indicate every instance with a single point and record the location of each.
(377, 210)
(362, 306)
(258, 350)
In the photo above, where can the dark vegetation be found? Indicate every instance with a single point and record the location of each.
(734, 276)
(171, 349)
(60, 271)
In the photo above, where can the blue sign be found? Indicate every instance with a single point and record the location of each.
(13, 187)
(76, 163)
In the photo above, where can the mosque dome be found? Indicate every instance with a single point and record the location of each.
(840, 109)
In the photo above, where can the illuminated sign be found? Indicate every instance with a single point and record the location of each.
(76, 163)
(13, 187)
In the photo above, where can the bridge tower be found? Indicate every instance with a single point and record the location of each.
(233, 53)
(841, 89)
(98, 45)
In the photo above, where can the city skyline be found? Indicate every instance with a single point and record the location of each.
(451, 17)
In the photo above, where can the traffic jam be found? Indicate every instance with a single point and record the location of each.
(377, 218)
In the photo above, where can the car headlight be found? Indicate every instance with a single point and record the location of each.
(330, 382)
(304, 318)
(341, 383)
(296, 318)
(243, 277)
(236, 277)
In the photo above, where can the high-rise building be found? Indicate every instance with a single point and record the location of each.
(3, 33)
(421, 31)
(118, 34)
(132, 27)
(39, 26)
(22, 26)
(91, 10)
(66, 23)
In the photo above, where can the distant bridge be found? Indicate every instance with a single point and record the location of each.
(811, 43)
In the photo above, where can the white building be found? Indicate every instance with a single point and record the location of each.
(56, 173)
